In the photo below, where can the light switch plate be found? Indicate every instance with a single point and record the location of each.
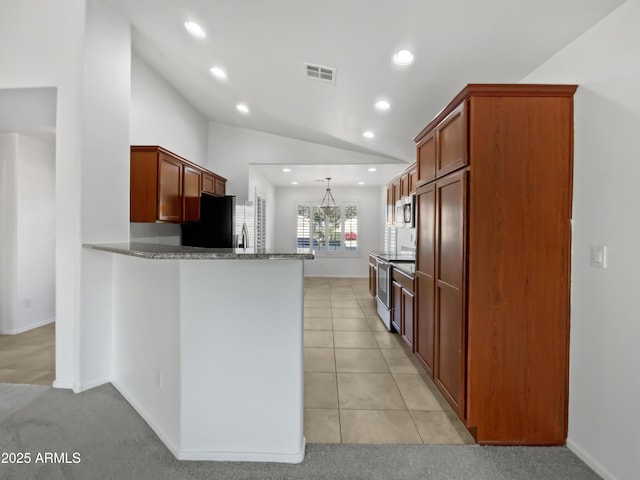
(598, 256)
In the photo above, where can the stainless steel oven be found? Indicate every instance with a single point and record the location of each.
(383, 293)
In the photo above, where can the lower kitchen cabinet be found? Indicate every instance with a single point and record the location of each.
(408, 320)
(396, 306)
(373, 275)
(403, 303)
(425, 327)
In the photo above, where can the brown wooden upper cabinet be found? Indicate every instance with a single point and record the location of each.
(493, 259)
(191, 194)
(213, 184)
(166, 188)
(220, 186)
(404, 185)
(413, 181)
(443, 149)
(208, 183)
(427, 158)
(451, 142)
(169, 189)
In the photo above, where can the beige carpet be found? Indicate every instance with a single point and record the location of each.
(113, 442)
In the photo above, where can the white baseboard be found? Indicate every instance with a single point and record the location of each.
(164, 438)
(589, 460)
(31, 326)
(80, 387)
(89, 385)
(65, 385)
(297, 457)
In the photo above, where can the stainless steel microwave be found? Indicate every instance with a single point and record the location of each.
(405, 212)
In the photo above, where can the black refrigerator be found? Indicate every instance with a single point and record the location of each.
(216, 228)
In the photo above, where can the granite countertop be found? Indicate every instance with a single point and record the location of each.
(177, 252)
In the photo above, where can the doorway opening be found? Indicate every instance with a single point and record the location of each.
(27, 235)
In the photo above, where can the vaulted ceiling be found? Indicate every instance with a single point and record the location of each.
(263, 46)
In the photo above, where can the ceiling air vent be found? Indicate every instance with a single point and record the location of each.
(320, 73)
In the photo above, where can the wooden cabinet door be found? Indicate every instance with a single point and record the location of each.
(396, 306)
(391, 207)
(413, 182)
(143, 195)
(451, 136)
(396, 192)
(208, 183)
(372, 275)
(425, 276)
(450, 317)
(169, 189)
(191, 194)
(427, 158)
(407, 325)
(404, 186)
(220, 187)
(372, 280)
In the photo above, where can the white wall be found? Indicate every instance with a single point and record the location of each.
(8, 231)
(105, 181)
(35, 247)
(232, 149)
(604, 392)
(51, 56)
(27, 233)
(161, 116)
(370, 227)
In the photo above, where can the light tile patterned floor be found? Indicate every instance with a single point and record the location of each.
(362, 383)
(28, 357)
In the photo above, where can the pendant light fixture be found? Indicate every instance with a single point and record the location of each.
(328, 204)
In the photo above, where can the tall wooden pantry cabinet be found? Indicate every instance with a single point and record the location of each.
(493, 259)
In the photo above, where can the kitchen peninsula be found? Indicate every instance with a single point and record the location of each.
(208, 348)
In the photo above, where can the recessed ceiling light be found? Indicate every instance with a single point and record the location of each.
(372, 169)
(286, 169)
(360, 183)
(242, 108)
(194, 29)
(219, 73)
(382, 105)
(403, 57)
(294, 183)
(368, 134)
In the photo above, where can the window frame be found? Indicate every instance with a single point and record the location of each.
(342, 252)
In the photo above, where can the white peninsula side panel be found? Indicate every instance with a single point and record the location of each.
(146, 341)
(210, 353)
(242, 344)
